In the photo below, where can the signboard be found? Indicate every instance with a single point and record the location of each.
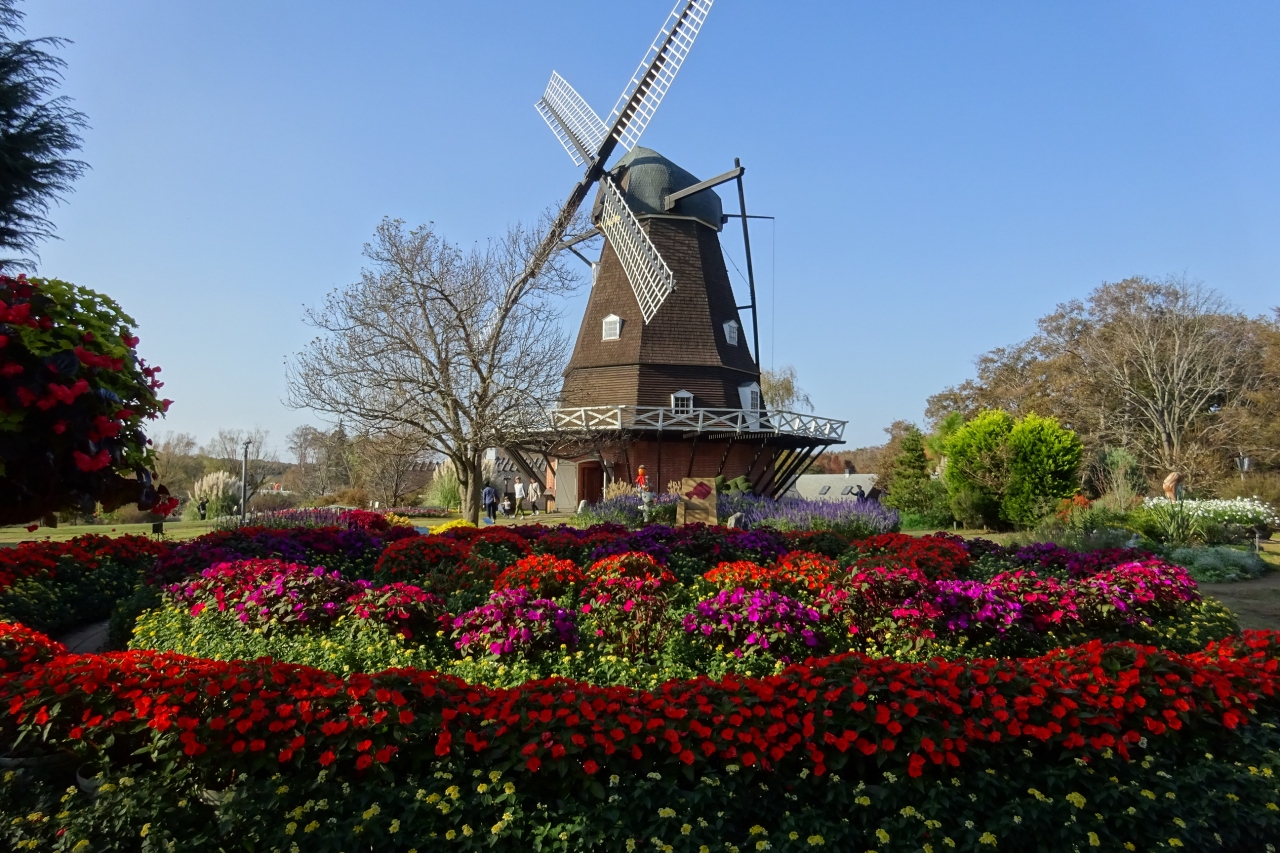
(697, 501)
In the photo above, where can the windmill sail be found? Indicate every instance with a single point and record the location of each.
(648, 273)
(653, 77)
(571, 118)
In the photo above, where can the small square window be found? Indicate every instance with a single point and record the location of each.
(731, 333)
(824, 490)
(612, 328)
(847, 490)
(682, 402)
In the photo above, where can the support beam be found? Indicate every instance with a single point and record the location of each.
(669, 202)
(751, 276)
(794, 475)
(525, 468)
(725, 458)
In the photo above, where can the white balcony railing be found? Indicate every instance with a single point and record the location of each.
(590, 418)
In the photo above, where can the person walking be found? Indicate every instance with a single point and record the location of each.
(202, 508)
(535, 492)
(520, 495)
(489, 498)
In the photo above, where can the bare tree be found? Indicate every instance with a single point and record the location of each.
(462, 348)
(227, 449)
(392, 466)
(322, 461)
(1160, 363)
(177, 465)
(781, 392)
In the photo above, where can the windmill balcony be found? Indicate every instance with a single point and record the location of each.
(697, 421)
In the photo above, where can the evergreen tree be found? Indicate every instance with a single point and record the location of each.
(37, 133)
(911, 487)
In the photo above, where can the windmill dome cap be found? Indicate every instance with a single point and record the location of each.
(648, 178)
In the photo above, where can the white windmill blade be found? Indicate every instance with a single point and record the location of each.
(572, 120)
(653, 78)
(650, 277)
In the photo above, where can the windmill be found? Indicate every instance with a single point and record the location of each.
(590, 141)
(678, 391)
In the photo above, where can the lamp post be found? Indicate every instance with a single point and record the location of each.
(244, 483)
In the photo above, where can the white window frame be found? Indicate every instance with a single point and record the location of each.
(612, 323)
(731, 330)
(682, 402)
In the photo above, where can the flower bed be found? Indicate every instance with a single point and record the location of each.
(642, 607)
(564, 689)
(1101, 745)
(53, 586)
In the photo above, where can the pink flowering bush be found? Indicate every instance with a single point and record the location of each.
(513, 622)
(752, 621)
(273, 595)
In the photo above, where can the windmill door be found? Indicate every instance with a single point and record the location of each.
(590, 482)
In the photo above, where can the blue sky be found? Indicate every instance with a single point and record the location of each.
(942, 173)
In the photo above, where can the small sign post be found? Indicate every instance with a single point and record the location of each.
(697, 501)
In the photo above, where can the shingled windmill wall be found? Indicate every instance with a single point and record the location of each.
(682, 348)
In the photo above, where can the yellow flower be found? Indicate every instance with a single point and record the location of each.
(686, 829)
(450, 835)
(987, 838)
(290, 828)
(371, 811)
(146, 828)
(395, 826)
(1174, 842)
(757, 829)
(508, 788)
(453, 792)
(481, 788)
(1076, 799)
(1094, 841)
(666, 812)
(863, 800)
(1150, 795)
(466, 830)
(311, 827)
(816, 840)
(1273, 807)
(80, 845)
(882, 836)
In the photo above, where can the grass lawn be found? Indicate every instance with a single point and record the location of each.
(172, 529)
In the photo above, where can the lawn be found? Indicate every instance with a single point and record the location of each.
(172, 529)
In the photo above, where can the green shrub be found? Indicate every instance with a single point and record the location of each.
(1015, 472)
(1219, 564)
(920, 497)
(977, 467)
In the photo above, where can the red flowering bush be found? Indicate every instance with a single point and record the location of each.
(499, 544)
(633, 564)
(937, 556)
(21, 647)
(544, 574)
(74, 399)
(417, 557)
(90, 551)
(796, 573)
(363, 519)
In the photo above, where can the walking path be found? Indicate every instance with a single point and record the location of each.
(90, 638)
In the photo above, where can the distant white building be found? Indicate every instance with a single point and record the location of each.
(833, 487)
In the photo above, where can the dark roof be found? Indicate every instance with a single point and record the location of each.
(647, 178)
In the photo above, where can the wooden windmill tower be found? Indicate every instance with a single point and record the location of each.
(661, 374)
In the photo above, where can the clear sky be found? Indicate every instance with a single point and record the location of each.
(942, 173)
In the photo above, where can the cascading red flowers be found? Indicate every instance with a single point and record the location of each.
(74, 400)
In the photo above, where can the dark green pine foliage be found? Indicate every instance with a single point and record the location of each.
(912, 489)
(38, 131)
